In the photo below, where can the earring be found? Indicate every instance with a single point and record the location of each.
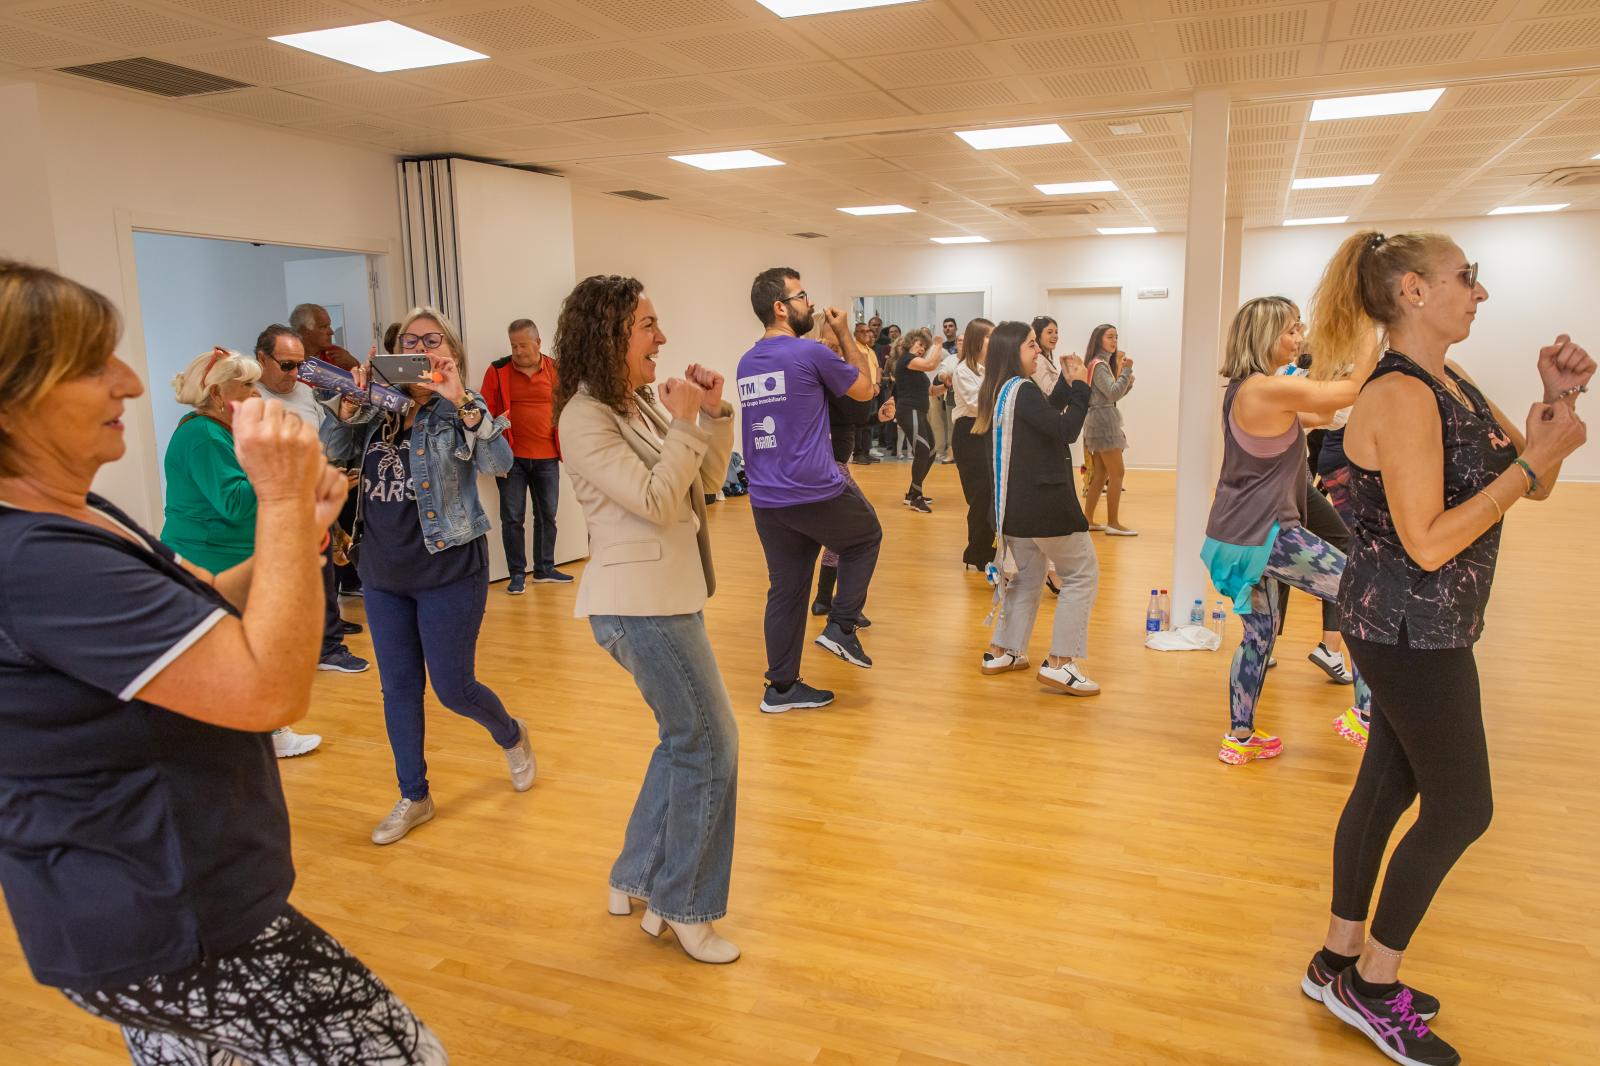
(1419, 303)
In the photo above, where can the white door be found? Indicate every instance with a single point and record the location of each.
(1078, 311)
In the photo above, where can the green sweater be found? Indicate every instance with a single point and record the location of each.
(211, 508)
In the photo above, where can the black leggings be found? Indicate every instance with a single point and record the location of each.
(972, 463)
(1427, 739)
(918, 432)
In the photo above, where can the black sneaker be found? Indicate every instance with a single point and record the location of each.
(517, 585)
(916, 496)
(550, 577)
(350, 629)
(1392, 1023)
(342, 661)
(919, 503)
(863, 622)
(799, 696)
(1319, 976)
(846, 646)
(821, 607)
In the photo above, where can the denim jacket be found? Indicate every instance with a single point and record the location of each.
(451, 458)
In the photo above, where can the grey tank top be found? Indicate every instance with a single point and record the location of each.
(1255, 491)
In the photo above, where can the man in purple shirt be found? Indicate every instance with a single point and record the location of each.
(801, 501)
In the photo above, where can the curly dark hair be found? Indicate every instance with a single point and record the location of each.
(591, 340)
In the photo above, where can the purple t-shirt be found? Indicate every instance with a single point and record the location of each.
(784, 385)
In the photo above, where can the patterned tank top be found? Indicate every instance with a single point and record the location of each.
(1383, 586)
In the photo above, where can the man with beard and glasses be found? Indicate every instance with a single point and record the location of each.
(801, 501)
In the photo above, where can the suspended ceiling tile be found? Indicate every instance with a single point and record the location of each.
(670, 93)
(934, 67)
(849, 108)
(462, 116)
(563, 106)
(602, 65)
(27, 48)
(887, 29)
(265, 64)
(1027, 18)
(115, 22)
(738, 50)
(662, 16)
(481, 78)
(1416, 50)
(957, 96)
(268, 105)
(814, 79)
(372, 93)
(274, 16)
(517, 27)
(743, 117)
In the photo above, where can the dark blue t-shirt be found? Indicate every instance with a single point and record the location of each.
(394, 555)
(134, 841)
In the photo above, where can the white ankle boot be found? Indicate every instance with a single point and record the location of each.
(700, 940)
(620, 904)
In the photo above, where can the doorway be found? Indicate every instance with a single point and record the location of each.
(1078, 311)
(196, 293)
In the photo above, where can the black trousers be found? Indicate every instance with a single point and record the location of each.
(332, 622)
(1427, 740)
(920, 436)
(1320, 518)
(791, 537)
(972, 464)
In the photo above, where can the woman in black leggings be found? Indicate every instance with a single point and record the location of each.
(914, 356)
(1434, 467)
(972, 449)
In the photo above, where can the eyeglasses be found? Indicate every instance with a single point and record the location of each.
(801, 295)
(430, 341)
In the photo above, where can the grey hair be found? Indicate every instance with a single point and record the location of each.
(304, 316)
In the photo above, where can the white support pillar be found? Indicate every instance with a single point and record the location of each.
(1199, 394)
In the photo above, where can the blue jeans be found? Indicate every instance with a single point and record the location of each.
(678, 850)
(541, 477)
(432, 633)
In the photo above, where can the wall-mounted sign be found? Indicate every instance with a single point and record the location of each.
(1152, 294)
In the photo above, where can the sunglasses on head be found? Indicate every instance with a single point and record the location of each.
(429, 341)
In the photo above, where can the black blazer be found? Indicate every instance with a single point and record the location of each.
(1041, 495)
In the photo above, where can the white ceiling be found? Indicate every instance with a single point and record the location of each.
(861, 105)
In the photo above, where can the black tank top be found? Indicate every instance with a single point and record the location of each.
(1383, 587)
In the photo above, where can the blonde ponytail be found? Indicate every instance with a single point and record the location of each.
(1358, 298)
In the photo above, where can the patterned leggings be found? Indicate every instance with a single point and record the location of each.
(1301, 560)
(829, 556)
(290, 997)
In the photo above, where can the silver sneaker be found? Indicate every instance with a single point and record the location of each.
(520, 761)
(407, 815)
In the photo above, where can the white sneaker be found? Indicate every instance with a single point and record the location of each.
(1332, 664)
(1067, 678)
(520, 760)
(407, 815)
(1097, 527)
(1003, 663)
(286, 743)
(1118, 531)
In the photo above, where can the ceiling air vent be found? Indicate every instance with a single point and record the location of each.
(154, 76)
(1572, 178)
(1056, 208)
(635, 194)
(808, 235)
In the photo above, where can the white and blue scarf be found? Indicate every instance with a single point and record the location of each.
(1001, 432)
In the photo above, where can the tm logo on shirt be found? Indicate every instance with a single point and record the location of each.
(762, 388)
(766, 430)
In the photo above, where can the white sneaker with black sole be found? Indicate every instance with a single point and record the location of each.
(846, 646)
(1331, 663)
(798, 696)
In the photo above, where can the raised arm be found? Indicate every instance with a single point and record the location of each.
(866, 383)
(593, 448)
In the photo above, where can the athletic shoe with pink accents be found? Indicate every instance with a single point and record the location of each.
(1352, 725)
(1259, 745)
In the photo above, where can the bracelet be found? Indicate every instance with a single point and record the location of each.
(1381, 950)
(1500, 515)
(1575, 390)
(1533, 481)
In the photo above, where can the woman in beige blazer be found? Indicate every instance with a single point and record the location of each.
(642, 474)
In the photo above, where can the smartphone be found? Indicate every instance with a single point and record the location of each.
(401, 369)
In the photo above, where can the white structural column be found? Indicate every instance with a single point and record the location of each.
(1199, 397)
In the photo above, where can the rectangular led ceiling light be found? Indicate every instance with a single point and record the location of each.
(1116, 231)
(960, 240)
(879, 209)
(380, 46)
(1407, 103)
(1528, 209)
(1343, 181)
(1067, 188)
(1330, 220)
(740, 160)
(789, 9)
(1015, 136)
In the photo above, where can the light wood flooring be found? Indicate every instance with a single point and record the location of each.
(945, 868)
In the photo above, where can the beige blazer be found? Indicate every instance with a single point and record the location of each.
(644, 500)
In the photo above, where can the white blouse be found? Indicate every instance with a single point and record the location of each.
(967, 383)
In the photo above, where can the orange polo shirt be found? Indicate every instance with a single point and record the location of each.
(532, 409)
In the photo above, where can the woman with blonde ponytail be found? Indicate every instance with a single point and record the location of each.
(1434, 468)
(1255, 539)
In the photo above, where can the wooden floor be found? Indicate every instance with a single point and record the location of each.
(942, 867)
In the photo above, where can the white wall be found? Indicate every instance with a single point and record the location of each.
(515, 245)
(1019, 276)
(1541, 271)
(114, 163)
(697, 273)
(330, 280)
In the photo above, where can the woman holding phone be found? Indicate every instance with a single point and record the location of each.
(423, 555)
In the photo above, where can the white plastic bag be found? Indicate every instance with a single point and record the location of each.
(1184, 638)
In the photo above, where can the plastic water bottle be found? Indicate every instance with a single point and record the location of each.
(1197, 613)
(1152, 613)
(1219, 619)
(1166, 610)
